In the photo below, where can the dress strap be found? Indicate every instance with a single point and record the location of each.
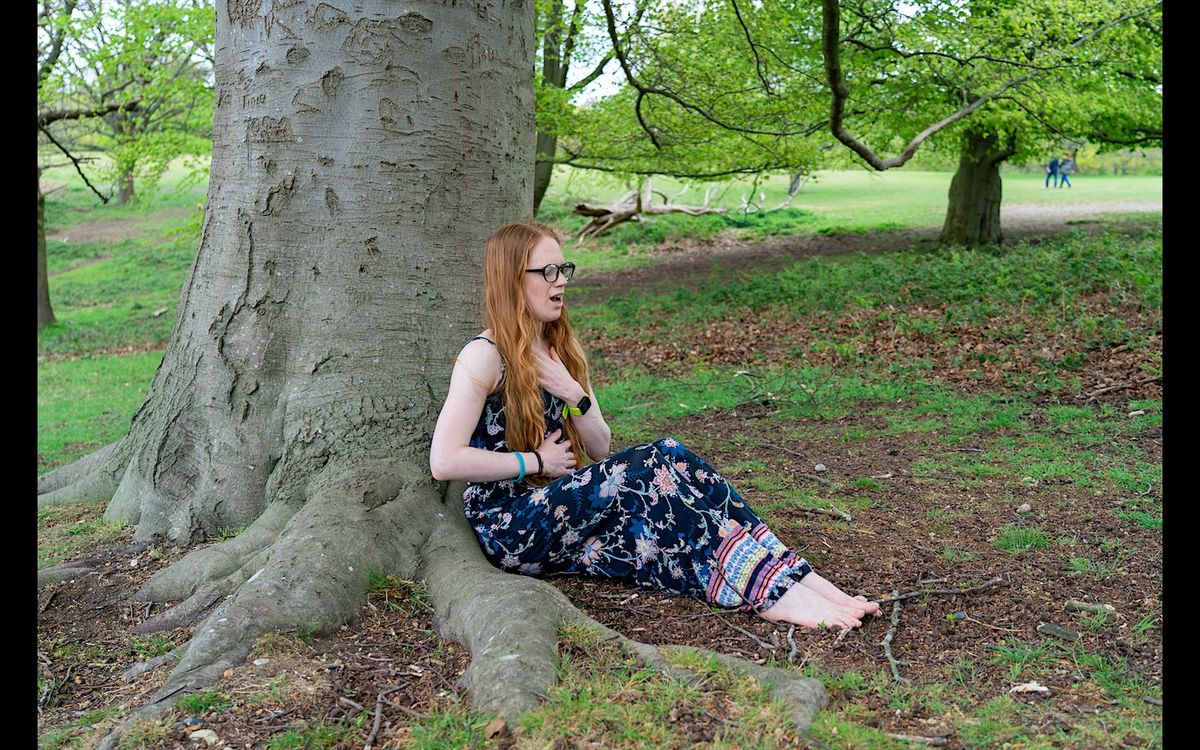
(503, 368)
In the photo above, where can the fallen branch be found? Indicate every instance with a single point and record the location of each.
(934, 741)
(944, 592)
(1077, 606)
(891, 634)
(379, 715)
(791, 641)
(1121, 387)
(766, 646)
(829, 512)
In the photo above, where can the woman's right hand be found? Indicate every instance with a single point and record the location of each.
(557, 458)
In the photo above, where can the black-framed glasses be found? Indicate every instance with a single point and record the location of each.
(551, 271)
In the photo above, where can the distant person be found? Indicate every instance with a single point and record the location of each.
(1052, 172)
(1066, 167)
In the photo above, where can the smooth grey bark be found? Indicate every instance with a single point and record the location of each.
(973, 212)
(45, 312)
(361, 158)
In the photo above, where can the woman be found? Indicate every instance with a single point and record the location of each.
(521, 426)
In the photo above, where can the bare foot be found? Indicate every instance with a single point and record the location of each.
(806, 607)
(857, 604)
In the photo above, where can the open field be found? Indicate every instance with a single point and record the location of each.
(984, 418)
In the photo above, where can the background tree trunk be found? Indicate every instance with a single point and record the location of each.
(45, 313)
(125, 188)
(973, 213)
(547, 145)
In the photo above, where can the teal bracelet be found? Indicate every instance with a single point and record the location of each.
(521, 460)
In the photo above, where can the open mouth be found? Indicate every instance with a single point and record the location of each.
(557, 299)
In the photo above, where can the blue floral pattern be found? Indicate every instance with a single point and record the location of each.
(655, 515)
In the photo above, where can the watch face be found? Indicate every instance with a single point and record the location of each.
(585, 403)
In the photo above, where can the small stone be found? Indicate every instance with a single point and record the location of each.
(133, 563)
(820, 467)
(192, 721)
(495, 727)
(209, 737)
(260, 662)
(1024, 508)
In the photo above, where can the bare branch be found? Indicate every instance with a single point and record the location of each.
(57, 115)
(753, 48)
(103, 198)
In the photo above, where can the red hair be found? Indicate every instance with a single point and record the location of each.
(507, 314)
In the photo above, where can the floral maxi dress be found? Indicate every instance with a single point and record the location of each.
(655, 515)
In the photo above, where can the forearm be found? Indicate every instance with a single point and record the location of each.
(469, 464)
(594, 432)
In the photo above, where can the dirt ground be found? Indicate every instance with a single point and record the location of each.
(390, 661)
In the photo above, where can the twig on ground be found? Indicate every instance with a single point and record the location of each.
(934, 741)
(792, 642)
(968, 450)
(887, 639)
(829, 512)
(785, 450)
(993, 627)
(841, 635)
(351, 704)
(827, 482)
(378, 714)
(752, 636)
(1152, 700)
(1121, 387)
(944, 592)
(1077, 606)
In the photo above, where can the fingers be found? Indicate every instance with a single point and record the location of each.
(554, 355)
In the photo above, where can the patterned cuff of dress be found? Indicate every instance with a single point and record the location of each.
(785, 581)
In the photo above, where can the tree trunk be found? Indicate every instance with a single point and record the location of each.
(45, 313)
(547, 145)
(360, 160)
(973, 213)
(125, 187)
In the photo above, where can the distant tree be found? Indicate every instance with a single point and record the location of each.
(129, 78)
(994, 80)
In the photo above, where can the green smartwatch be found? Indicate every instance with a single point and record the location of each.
(585, 403)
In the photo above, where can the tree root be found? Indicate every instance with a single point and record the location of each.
(186, 576)
(47, 576)
(93, 477)
(315, 575)
(65, 476)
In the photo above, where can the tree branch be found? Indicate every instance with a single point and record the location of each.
(58, 115)
(103, 198)
(753, 48)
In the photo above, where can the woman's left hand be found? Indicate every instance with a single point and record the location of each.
(554, 377)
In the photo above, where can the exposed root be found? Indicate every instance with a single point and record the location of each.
(314, 575)
(804, 695)
(186, 613)
(47, 576)
(510, 624)
(150, 665)
(96, 461)
(188, 575)
(94, 477)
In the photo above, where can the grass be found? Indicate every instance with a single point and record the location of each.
(1017, 539)
(851, 201)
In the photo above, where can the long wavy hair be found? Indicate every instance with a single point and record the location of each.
(507, 314)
